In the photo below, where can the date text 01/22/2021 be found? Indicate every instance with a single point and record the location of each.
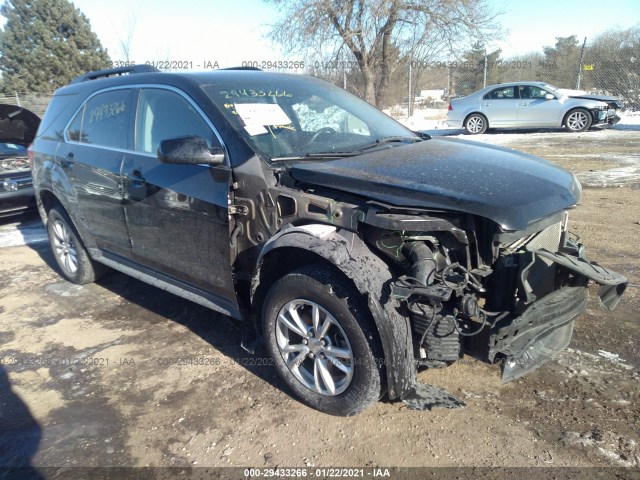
(170, 64)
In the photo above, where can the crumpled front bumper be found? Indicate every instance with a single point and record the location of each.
(612, 284)
(545, 328)
(605, 117)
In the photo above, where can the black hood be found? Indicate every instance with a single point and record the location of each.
(513, 189)
(17, 125)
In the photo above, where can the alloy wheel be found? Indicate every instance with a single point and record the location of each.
(577, 121)
(475, 124)
(314, 347)
(65, 247)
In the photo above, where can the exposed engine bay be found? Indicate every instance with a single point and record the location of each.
(512, 303)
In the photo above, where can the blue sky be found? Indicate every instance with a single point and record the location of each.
(231, 32)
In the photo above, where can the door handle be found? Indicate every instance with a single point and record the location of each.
(136, 178)
(68, 160)
(487, 104)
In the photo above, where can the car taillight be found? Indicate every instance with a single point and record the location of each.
(450, 107)
(30, 155)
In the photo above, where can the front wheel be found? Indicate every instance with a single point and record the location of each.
(69, 251)
(321, 337)
(578, 120)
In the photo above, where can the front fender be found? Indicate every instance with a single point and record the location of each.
(372, 278)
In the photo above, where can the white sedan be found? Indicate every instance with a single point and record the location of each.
(530, 105)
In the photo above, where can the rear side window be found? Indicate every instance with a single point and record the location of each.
(505, 93)
(104, 120)
(162, 115)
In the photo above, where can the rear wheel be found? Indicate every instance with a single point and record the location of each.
(69, 251)
(321, 337)
(476, 124)
(578, 120)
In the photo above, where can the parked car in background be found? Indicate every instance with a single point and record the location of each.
(355, 248)
(530, 105)
(18, 128)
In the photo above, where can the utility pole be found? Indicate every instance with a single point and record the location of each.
(584, 44)
(484, 81)
(410, 104)
(344, 70)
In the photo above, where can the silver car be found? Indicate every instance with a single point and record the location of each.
(530, 105)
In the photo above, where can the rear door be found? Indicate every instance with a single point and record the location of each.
(501, 107)
(92, 158)
(178, 214)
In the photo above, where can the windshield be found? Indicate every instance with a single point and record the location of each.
(295, 117)
(553, 89)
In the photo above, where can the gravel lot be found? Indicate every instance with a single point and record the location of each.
(89, 375)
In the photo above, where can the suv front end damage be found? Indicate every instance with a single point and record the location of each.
(476, 269)
(513, 304)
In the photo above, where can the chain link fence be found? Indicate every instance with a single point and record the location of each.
(37, 103)
(597, 73)
(610, 65)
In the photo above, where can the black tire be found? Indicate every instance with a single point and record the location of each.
(336, 300)
(578, 120)
(476, 124)
(70, 253)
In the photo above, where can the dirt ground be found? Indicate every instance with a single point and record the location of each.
(89, 374)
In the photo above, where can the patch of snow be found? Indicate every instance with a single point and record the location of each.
(614, 358)
(609, 178)
(15, 234)
(609, 445)
(629, 120)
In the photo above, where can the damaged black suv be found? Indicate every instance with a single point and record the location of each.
(358, 250)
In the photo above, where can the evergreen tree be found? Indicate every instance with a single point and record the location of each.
(45, 44)
(561, 62)
(470, 74)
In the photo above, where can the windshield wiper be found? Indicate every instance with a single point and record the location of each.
(307, 156)
(386, 140)
(329, 155)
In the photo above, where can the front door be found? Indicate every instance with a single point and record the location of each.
(535, 110)
(178, 214)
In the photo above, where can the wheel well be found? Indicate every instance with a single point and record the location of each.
(476, 113)
(46, 201)
(277, 264)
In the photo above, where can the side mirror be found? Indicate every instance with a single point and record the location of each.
(422, 135)
(189, 150)
(548, 96)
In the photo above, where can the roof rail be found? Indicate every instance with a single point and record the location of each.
(114, 71)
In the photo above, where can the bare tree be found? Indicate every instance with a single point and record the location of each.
(382, 34)
(612, 65)
(125, 39)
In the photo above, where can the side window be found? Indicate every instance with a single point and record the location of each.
(161, 115)
(105, 120)
(507, 93)
(73, 132)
